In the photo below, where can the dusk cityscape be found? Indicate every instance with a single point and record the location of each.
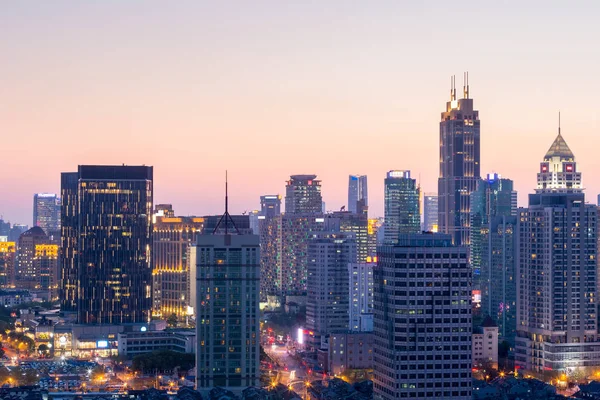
(299, 200)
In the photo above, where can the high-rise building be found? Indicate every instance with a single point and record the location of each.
(269, 229)
(327, 301)
(270, 205)
(422, 319)
(430, 212)
(227, 322)
(303, 195)
(373, 225)
(557, 289)
(4, 229)
(28, 275)
(357, 223)
(401, 208)
(107, 243)
(361, 295)
(493, 197)
(172, 238)
(7, 264)
(16, 231)
(46, 214)
(459, 164)
(45, 265)
(357, 191)
(296, 230)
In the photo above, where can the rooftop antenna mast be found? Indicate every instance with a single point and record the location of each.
(226, 216)
(466, 85)
(559, 122)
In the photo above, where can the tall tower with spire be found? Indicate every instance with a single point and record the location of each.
(459, 164)
(557, 291)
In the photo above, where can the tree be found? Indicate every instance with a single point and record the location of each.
(165, 360)
(43, 349)
(172, 320)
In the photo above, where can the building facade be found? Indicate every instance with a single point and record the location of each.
(460, 163)
(360, 277)
(327, 301)
(227, 323)
(107, 243)
(46, 214)
(422, 324)
(45, 265)
(430, 212)
(303, 195)
(557, 323)
(7, 264)
(402, 205)
(28, 274)
(270, 205)
(350, 350)
(357, 193)
(172, 238)
(485, 345)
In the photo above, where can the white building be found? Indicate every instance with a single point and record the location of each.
(485, 344)
(422, 326)
(361, 295)
(557, 292)
(227, 311)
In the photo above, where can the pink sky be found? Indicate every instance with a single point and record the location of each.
(266, 89)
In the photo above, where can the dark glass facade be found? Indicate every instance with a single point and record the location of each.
(106, 221)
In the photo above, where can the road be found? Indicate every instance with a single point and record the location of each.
(295, 370)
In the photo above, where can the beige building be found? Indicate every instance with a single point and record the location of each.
(485, 343)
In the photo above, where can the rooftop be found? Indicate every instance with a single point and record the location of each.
(559, 149)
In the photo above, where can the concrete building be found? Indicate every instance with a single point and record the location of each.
(327, 301)
(350, 350)
(303, 195)
(46, 214)
(133, 343)
(357, 192)
(15, 297)
(402, 206)
(356, 223)
(361, 295)
(557, 289)
(373, 227)
(460, 163)
(430, 212)
(7, 264)
(227, 322)
(107, 244)
(485, 344)
(172, 238)
(37, 266)
(422, 327)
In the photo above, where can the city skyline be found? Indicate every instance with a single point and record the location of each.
(163, 85)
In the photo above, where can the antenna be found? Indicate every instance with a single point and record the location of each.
(453, 87)
(226, 216)
(466, 86)
(559, 122)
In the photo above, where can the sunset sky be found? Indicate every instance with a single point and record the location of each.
(266, 89)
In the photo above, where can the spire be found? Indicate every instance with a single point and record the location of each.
(226, 216)
(466, 85)
(559, 147)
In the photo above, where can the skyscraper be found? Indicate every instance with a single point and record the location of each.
(227, 323)
(357, 191)
(494, 197)
(430, 212)
(45, 264)
(401, 208)
(557, 292)
(303, 195)
(269, 229)
(357, 223)
(422, 319)
(459, 164)
(46, 213)
(173, 236)
(327, 301)
(361, 295)
(107, 243)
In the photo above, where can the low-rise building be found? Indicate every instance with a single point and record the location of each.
(15, 297)
(131, 344)
(485, 343)
(350, 350)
